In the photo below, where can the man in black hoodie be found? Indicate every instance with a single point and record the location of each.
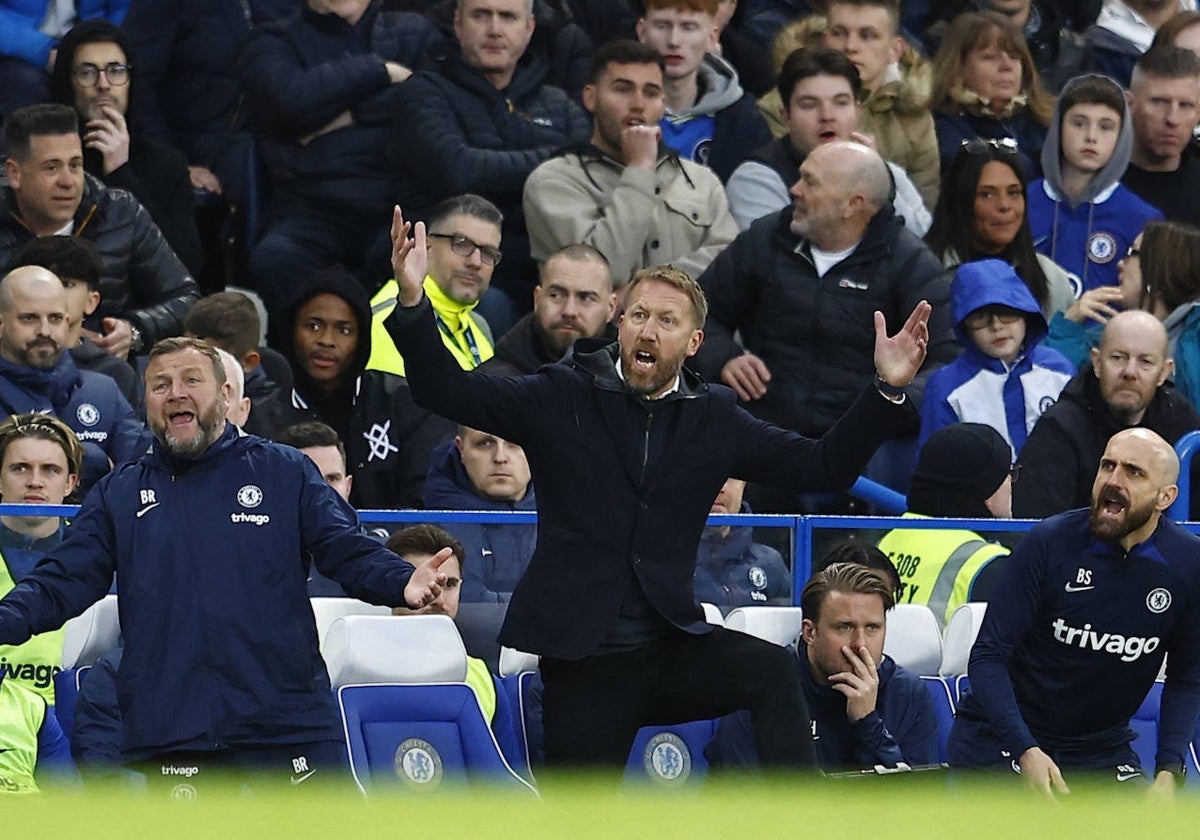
(94, 75)
(388, 439)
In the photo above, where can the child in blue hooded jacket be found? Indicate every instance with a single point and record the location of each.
(1003, 378)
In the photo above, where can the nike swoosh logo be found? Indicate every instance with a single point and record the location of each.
(147, 509)
(1071, 588)
(1125, 777)
(299, 779)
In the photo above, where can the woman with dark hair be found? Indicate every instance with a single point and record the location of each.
(985, 84)
(981, 213)
(1163, 270)
(1159, 274)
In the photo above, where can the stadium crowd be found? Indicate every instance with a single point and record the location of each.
(485, 255)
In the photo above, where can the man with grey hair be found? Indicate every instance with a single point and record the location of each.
(209, 534)
(800, 286)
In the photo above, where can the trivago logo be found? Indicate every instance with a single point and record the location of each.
(1130, 648)
(250, 518)
(39, 675)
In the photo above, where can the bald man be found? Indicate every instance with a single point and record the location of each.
(801, 286)
(1125, 386)
(38, 375)
(1089, 603)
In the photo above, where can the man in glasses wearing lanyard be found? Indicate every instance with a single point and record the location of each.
(464, 250)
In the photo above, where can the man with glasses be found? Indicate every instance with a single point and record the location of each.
(464, 250)
(144, 288)
(93, 75)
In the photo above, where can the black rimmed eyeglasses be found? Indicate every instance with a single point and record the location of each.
(464, 247)
(88, 74)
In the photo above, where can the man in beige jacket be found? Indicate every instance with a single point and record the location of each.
(623, 193)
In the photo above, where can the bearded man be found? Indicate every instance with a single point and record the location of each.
(1089, 603)
(209, 535)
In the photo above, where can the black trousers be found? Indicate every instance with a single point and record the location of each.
(593, 707)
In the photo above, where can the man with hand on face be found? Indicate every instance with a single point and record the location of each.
(625, 194)
(607, 600)
(94, 75)
(1075, 633)
(221, 667)
(866, 710)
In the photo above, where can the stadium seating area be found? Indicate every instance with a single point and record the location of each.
(412, 724)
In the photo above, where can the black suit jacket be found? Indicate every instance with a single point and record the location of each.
(599, 511)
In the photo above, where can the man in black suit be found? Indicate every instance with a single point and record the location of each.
(628, 450)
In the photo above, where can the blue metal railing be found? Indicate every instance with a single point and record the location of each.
(803, 528)
(1186, 448)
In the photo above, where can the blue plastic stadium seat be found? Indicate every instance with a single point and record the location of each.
(670, 755)
(66, 693)
(421, 738)
(411, 722)
(943, 709)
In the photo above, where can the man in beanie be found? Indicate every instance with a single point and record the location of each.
(963, 470)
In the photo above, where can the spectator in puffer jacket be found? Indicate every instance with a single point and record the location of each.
(144, 288)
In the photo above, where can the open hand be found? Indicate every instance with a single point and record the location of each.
(899, 357)
(427, 581)
(410, 258)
